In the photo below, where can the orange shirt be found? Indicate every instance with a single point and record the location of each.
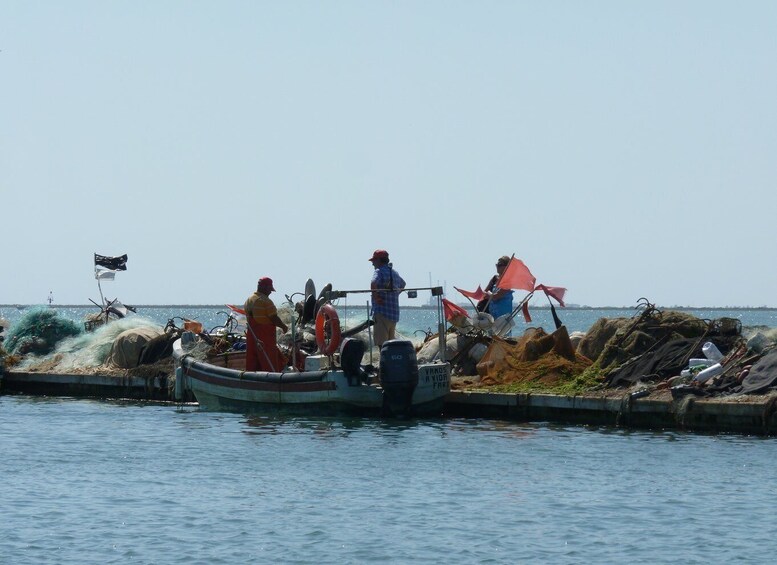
(260, 309)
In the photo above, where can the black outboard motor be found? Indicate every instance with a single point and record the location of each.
(398, 376)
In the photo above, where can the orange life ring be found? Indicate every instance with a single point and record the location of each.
(327, 325)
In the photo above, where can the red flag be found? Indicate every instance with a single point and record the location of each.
(556, 292)
(526, 315)
(476, 295)
(518, 276)
(453, 310)
(236, 309)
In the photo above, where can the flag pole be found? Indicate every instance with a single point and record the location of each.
(474, 306)
(556, 320)
(100, 288)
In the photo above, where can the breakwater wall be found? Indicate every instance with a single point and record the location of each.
(158, 388)
(749, 415)
(755, 415)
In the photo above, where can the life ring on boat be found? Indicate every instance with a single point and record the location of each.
(327, 329)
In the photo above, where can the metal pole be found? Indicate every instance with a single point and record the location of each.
(100, 288)
(369, 334)
(441, 330)
(293, 335)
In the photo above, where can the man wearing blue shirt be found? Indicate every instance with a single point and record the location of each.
(501, 299)
(386, 285)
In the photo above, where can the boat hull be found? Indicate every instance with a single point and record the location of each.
(321, 392)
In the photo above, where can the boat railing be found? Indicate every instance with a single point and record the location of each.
(437, 292)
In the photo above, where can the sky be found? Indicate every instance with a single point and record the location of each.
(619, 149)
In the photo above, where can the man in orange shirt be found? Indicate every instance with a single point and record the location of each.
(262, 353)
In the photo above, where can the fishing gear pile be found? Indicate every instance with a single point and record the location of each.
(537, 357)
(39, 331)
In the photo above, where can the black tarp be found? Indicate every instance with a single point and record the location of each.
(665, 361)
(762, 375)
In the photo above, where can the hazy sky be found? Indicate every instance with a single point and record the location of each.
(620, 149)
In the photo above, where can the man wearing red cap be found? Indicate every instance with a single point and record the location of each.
(386, 285)
(262, 353)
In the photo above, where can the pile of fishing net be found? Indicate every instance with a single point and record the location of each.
(39, 331)
(3, 325)
(613, 341)
(112, 347)
(536, 357)
(655, 345)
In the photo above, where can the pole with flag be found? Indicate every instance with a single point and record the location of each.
(105, 270)
(516, 276)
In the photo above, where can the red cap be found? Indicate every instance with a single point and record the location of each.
(266, 283)
(379, 254)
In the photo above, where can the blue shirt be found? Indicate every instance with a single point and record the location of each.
(386, 277)
(502, 306)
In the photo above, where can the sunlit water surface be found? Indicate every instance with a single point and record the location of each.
(413, 322)
(100, 482)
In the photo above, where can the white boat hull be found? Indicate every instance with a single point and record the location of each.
(228, 389)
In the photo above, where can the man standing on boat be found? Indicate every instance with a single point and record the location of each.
(262, 353)
(386, 286)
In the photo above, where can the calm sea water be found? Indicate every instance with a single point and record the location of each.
(100, 482)
(103, 482)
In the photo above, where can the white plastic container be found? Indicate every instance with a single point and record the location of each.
(711, 351)
(708, 373)
(316, 363)
(696, 362)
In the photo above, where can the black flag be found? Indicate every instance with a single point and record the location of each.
(112, 263)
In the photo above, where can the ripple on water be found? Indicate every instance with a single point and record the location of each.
(102, 482)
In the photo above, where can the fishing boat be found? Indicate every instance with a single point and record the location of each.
(333, 380)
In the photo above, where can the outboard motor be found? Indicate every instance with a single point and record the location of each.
(398, 375)
(351, 353)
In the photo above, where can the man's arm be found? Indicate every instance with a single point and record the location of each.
(279, 323)
(402, 283)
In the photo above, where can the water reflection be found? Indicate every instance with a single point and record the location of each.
(321, 427)
(390, 430)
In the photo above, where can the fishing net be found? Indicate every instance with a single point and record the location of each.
(537, 357)
(85, 350)
(613, 342)
(656, 345)
(39, 331)
(3, 354)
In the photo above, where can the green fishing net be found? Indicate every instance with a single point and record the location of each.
(39, 331)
